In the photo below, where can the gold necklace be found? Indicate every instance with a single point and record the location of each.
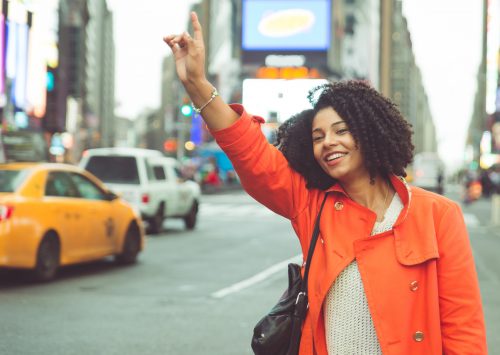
(385, 200)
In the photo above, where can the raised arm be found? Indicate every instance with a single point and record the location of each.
(189, 54)
(263, 170)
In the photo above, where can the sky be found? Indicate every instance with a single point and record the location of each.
(446, 37)
(139, 32)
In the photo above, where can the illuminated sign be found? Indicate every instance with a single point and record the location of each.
(492, 60)
(279, 25)
(277, 99)
(2, 49)
(274, 60)
(287, 73)
(196, 134)
(17, 61)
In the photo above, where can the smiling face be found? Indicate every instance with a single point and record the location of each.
(334, 147)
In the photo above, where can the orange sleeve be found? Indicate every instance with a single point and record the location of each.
(461, 311)
(263, 170)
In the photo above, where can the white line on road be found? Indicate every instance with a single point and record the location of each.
(232, 210)
(471, 220)
(261, 276)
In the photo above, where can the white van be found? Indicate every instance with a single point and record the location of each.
(428, 172)
(149, 181)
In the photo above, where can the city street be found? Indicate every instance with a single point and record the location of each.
(114, 114)
(192, 292)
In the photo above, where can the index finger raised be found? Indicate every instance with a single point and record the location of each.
(197, 31)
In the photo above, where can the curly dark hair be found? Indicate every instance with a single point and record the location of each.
(376, 124)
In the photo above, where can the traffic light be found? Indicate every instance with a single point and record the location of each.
(50, 81)
(186, 110)
(53, 120)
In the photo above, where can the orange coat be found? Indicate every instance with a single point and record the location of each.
(419, 278)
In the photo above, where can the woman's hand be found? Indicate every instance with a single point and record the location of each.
(189, 53)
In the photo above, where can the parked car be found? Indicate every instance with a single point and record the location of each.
(53, 215)
(150, 182)
(428, 172)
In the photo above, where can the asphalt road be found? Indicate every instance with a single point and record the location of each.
(198, 292)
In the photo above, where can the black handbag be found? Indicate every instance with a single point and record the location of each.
(278, 332)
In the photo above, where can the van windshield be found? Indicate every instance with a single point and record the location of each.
(114, 169)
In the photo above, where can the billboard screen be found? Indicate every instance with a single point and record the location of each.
(279, 25)
(277, 99)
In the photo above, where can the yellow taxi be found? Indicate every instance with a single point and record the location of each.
(53, 215)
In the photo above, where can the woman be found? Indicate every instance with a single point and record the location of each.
(393, 272)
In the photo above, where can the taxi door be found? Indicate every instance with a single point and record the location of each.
(101, 221)
(65, 215)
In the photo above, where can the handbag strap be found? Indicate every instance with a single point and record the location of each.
(312, 245)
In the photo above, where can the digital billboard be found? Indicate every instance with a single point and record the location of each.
(2, 51)
(292, 25)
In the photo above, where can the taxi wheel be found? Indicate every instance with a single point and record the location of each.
(190, 218)
(47, 260)
(131, 247)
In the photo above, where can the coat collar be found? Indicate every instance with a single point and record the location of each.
(402, 189)
(415, 240)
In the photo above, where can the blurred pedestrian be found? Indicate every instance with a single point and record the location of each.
(495, 178)
(486, 184)
(212, 178)
(393, 272)
(472, 187)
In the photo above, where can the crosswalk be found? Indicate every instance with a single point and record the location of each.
(226, 210)
(229, 210)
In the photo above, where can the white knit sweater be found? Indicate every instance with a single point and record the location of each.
(348, 323)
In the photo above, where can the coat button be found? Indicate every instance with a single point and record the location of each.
(418, 336)
(339, 205)
(414, 286)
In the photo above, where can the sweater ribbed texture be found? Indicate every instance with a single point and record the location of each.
(348, 324)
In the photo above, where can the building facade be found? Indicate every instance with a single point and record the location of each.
(400, 77)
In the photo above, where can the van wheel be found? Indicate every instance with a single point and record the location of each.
(131, 247)
(47, 259)
(156, 222)
(191, 217)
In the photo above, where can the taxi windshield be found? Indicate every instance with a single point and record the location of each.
(10, 180)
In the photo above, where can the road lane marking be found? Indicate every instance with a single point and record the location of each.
(261, 276)
(471, 220)
(233, 210)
